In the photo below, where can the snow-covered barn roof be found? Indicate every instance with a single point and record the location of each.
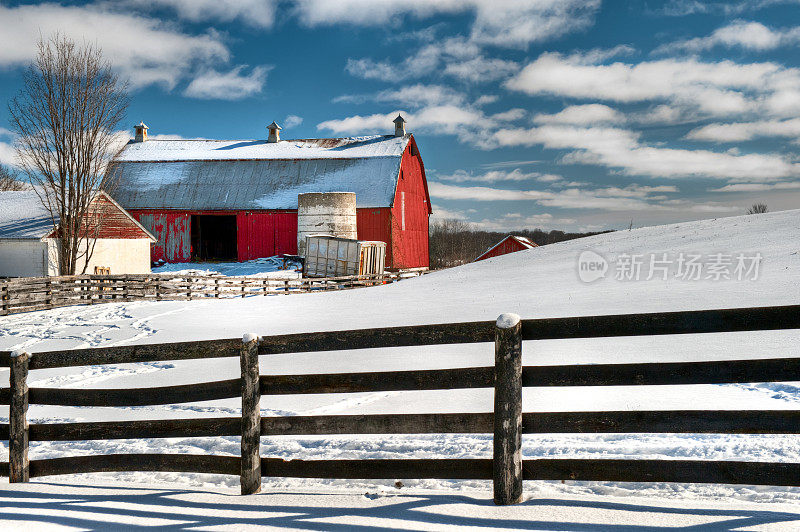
(23, 216)
(255, 174)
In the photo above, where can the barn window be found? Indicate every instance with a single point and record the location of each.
(214, 237)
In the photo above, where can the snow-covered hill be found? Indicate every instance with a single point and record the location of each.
(541, 282)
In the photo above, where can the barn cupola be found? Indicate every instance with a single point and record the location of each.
(274, 132)
(140, 130)
(399, 126)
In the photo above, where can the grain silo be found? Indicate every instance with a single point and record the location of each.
(325, 213)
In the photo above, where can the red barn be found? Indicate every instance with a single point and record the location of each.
(237, 199)
(509, 244)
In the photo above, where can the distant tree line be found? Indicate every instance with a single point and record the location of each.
(453, 242)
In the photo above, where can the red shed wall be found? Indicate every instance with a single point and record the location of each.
(508, 246)
(410, 210)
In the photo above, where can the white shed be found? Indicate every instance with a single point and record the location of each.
(27, 248)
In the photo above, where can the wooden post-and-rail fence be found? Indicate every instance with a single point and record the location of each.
(28, 294)
(507, 468)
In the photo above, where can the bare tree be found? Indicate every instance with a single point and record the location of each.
(757, 208)
(9, 180)
(65, 115)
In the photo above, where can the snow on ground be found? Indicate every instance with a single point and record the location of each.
(98, 506)
(541, 282)
(264, 267)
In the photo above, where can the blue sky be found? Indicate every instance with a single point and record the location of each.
(561, 114)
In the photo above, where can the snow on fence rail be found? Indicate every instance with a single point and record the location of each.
(507, 422)
(41, 293)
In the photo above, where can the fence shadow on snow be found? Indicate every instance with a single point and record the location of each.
(506, 468)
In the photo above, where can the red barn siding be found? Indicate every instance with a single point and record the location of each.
(508, 245)
(274, 232)
(376, 224)
(410, 211)
(172, 230)
(266, 233)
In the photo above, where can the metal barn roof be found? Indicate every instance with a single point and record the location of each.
(23, 216)
(236, 175)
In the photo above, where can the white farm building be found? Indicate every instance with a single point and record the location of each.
(28, 248)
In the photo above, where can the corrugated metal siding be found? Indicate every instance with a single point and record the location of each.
(409, 246)
(266, 233)
(251, 184)
(173, 232)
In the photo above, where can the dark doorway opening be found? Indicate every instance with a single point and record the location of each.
(213, 237)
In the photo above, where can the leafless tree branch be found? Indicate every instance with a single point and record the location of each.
(65, 115)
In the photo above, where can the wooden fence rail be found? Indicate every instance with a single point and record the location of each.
(42, 293)
(507, 422)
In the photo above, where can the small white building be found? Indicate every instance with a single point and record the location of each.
(120, 244)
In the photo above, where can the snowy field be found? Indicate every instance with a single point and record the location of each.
(542, 282)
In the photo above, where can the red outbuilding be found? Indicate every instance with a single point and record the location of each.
(509, 244)
(237, 199)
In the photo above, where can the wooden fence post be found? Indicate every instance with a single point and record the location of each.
(4, 296)
(507, 464)
(18, 414)
(250, 478)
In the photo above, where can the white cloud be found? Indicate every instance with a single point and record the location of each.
(680, 8)
(758, 187)
(588, 114)
(258, 13)
(144, 50)
(455, 56)
(292, 121)
(413, 96)
(8, 155)
(442, 213)
(714, 88)
(631, 198)
(231, 85)
(515, 23)
(517, 221)
(742, 131)
(620, 148)
(453, 192)
(481, 68)
(748, 35)
(470, 125)
(486, 99)
(493, 176)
